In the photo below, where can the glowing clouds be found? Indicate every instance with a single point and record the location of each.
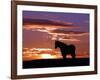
(40, 53)
(56, 29)
(54, 32)
(47, 53)
(48, 56)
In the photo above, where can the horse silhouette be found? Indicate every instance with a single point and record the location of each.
(65, 49)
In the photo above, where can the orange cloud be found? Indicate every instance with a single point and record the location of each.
(40, 53)
(47, 53)
(71, 33)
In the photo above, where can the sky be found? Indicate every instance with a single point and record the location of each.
(41, 29)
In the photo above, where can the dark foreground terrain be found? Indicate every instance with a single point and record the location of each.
(44, 63)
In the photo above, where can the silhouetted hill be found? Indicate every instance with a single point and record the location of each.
(55, 63)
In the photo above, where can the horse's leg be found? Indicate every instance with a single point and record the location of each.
(73, 55)
(64, 56)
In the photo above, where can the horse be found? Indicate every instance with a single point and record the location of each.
(65, 49)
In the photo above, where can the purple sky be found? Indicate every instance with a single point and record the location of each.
(77, 19)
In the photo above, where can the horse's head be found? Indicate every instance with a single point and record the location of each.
(56, 44)
(59, 44)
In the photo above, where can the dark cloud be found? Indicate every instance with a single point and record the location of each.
(68, 32)
(47, 22)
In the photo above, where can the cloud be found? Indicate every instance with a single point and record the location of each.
(68, 33)
(59, 33)
(54, 28)
(73, 39)
(64, 38)
(46, 22)
(56, 33)
(40, 53)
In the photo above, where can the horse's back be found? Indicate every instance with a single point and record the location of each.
(72, 46)
(69, 49)
(65, 49)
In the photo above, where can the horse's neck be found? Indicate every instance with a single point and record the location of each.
(62, 45)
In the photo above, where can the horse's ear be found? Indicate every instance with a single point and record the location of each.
(55, 40)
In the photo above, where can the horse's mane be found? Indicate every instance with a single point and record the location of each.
(60, 42)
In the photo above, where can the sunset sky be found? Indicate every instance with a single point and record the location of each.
(41, 29)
